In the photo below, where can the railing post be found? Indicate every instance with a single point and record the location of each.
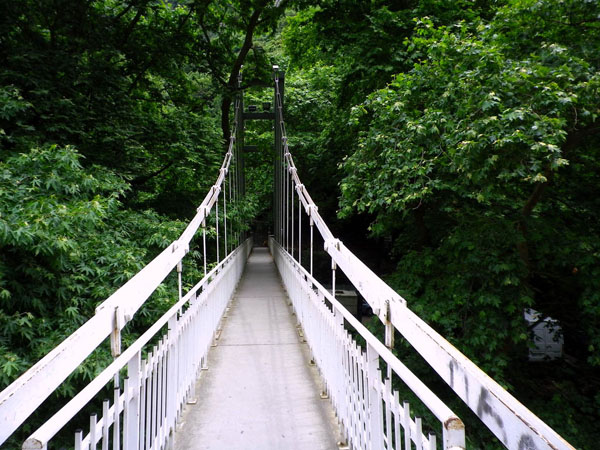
(172, 353)
(116, 428)
(225, 252)
(217, 224)
(299, 228)
(375, 413)
(292, 213)
(131, 413)
(179, 283)
(333, 267)
(204, 242)
(389, 334)
(453, 434)
(312, 223)
(340, 381)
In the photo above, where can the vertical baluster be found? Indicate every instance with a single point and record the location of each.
(364, 396)
(311, 240)
(149, 387)
(105, 424)
(154, 401)
(292, 208)
(225, 252)
(128, 412)
(233, 224)
(93, 431)
(204, 243)
(389, 335)
(143, 395)
(171, 374)
(287, 207)
(179, 280)
(205, 333)
(333, 267)
(360, 397)
(388, 412)
(419, 434)
(217, 223)
(280, 168)
(282, 201)
(282, 195)
(397, 421)
(299, 227)
(159, 395)
(78, 439)
(406, 426)
(117, 417)
(163, 416)
(344, 397)
(432, 442)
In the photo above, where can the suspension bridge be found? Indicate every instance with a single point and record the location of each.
(259, 354)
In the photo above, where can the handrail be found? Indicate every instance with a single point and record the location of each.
(510, 421)
(27, 392)
(40, 438)
(452, 424)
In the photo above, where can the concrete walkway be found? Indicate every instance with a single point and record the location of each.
(259, 391)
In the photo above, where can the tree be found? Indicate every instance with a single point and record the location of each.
(481, 161)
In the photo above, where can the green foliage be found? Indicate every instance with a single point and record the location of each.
(464, 133)
(467, 136)
(130, 93)
(465, 139)
(65, 245)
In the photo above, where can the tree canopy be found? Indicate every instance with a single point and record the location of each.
(453, 144)
(470, 147)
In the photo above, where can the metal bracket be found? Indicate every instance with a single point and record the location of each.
(388, 312)
(176, 244)
(115, 336)
(329, 243)
(203, 209)
(389, 328)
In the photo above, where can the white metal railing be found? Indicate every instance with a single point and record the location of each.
(509, 420)
(25, 394)
(157, 386)
(368, 409)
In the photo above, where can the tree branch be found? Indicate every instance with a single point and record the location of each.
(141, 73)
(209, 56)
(574, 139)
(132, 24)
(235, 70)
(142, 179)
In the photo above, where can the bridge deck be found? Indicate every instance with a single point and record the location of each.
(259, 391)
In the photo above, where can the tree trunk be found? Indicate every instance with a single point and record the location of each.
(232, 87)
(573, 141)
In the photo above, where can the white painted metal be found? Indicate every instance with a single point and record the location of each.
(352, 376)
(259, 393)
(206, 302)
(299, 231)
(217, 225)
(511, 422)
(26, 393)
(158, 386)
(78, 439)
(225, 250)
